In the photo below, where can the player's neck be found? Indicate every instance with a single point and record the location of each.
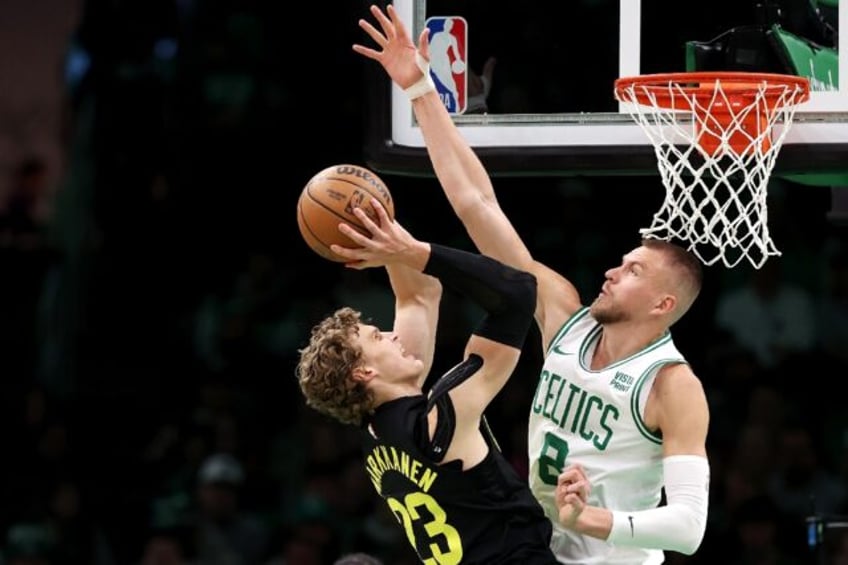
(620, 341)
(386, 392)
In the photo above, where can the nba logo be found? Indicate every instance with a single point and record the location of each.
(448, 36)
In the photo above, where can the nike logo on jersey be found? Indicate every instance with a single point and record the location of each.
(559, 351)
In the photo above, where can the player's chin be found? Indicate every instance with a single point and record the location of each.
(410, 363)
(416, 366)
(602, 311)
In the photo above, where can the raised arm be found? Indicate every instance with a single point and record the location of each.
(417, 299)
(506, 294)
(460, 172)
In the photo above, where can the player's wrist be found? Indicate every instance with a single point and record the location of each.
(416, 255)
(595, 522)
(423, 85)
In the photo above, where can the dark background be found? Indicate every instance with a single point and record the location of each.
(155, 291)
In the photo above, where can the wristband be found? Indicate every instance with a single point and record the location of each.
(423, 85)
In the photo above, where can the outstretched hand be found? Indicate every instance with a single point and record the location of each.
(397, 52)
(389, 242)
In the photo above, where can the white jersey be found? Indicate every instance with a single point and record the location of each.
(595, 418)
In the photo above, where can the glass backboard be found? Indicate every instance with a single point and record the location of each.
(551, 110)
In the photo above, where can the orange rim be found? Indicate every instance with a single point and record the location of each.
(696, 92)
(653, 90)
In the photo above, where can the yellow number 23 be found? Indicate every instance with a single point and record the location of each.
(407, 514)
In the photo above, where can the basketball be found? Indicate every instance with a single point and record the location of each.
(330, 197)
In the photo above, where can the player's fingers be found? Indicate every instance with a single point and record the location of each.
(574, 502)
(353, 256)
(366, 220)
(575, 486)
(378, 37)
(568, 476)
(385, 22)
(367, 52)
(357, 265)
(380, 210)
(355, 236)
(559, 496)
(580, 488)
(576, 470)
(424, 43)
(564, 498)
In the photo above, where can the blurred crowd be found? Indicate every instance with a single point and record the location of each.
(180, 436)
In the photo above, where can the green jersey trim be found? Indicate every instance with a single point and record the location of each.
(637, 393)
(567, 325)
(594, 334)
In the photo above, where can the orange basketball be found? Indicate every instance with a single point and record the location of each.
(329, 198)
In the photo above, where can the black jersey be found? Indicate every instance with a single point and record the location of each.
(484, 515)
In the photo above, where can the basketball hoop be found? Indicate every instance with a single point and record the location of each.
(716, 138)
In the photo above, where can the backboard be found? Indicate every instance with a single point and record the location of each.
(551, 108)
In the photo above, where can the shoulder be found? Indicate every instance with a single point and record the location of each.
(679, 378)
(675, 390)
(681, 410)
(677, 393)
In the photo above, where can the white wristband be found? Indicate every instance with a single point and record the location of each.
(423, 85)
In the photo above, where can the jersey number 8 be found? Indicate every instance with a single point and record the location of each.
(552, 459)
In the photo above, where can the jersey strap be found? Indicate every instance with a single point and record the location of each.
(439, 397)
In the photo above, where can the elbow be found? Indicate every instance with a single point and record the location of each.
(430, 292)
(692, 534)
(690, 548)
(527, 293)
(471, 205)
(521, 294)
(510, 322)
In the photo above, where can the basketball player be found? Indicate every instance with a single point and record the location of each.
(432, 458)
(615, 401)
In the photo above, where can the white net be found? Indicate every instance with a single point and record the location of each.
(715, 153)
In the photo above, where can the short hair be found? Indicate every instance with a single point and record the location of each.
(326, 366)
(690, 272)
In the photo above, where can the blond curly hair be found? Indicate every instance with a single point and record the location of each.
(326, 366)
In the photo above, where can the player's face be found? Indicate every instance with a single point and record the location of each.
(384, 352)
(632, 289)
